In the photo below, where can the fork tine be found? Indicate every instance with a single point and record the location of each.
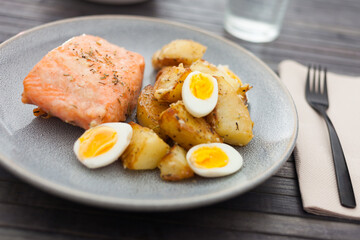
(307, 86)
(325, 91)
(314, 80)
(319, 80)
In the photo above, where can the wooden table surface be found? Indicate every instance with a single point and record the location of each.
(325, 32)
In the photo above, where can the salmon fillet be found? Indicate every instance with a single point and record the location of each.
(86, 81)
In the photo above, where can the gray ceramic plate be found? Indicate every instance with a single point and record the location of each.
(40, 151)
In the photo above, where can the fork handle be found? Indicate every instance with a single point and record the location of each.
(345, 189)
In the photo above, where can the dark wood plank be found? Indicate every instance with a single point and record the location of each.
(280, 186)
(266, 223)
(287, 170)
(20, 193)
(26, 234)
(142, 225)
(274, 204)
(267, 203)
(5, 175)
(187, 232)
(170, 233)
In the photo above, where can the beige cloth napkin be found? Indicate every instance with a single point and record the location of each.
(314, 164)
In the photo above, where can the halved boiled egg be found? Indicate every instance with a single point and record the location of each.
(200, 93)
(101, 145)
(214, 159)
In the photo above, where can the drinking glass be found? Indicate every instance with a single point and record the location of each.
(255, 20)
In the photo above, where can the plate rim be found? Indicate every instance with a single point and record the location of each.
(138, 204)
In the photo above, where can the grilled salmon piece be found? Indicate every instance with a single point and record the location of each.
(86, 81)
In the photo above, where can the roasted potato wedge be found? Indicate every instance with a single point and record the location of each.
(176, 52)
(225, 72)
(145, 150)
(205, 67)
(174, 167)
(169, 82)
(231, 118)
(185, 129)
(149, 110)
(232, 79)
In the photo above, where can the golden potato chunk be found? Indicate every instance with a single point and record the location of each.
(149, 110)
(176, 52)
(232, 79)
(174, 167)
(231, 118)
(185, 129)
(145, 150)
(205, 67)
(169, 82)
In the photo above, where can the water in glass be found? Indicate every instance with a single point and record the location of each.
(255, 20)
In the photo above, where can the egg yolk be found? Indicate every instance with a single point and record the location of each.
(209, 157)
(201, 86)
(97, 141)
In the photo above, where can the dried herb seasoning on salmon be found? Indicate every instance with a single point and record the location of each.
(82, 81)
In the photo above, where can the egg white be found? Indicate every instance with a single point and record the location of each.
(234, 164)
(124, 134)
(196, 106)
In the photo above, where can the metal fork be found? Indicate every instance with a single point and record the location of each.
(318, 100)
